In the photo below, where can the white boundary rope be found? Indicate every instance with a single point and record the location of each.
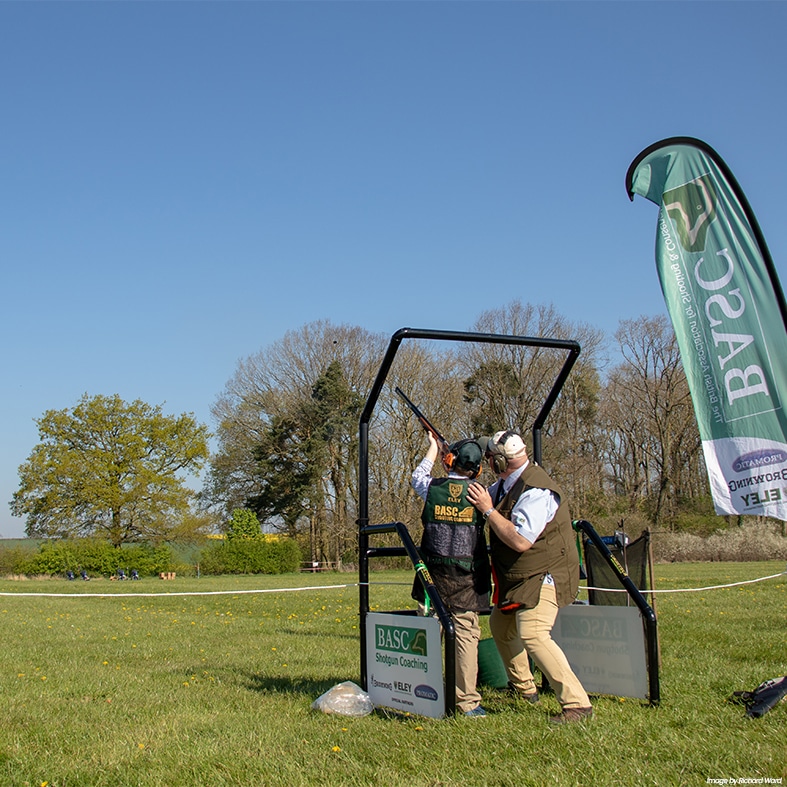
(689, 590)
(168, 594)
(183, 593)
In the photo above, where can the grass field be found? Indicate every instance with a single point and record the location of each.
(210, 690)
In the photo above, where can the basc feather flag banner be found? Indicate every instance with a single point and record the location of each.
(728, 311)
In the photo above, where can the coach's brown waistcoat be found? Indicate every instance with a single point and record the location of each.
(519, 575)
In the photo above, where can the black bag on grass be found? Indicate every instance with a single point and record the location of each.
(766, 696)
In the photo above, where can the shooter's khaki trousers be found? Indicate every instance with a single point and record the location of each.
(468, 632)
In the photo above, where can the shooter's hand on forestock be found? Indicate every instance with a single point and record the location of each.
(434, 448)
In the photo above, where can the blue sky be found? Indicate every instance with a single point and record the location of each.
(184, 182)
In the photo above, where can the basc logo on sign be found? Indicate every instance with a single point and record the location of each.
(400, 639)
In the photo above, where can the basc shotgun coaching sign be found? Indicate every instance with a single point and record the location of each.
(405, 664)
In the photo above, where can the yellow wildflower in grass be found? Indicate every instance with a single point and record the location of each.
(336, 748)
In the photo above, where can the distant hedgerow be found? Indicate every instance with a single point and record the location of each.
(251, 556)
(96, 557)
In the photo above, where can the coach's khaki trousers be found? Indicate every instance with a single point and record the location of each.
(529, 631)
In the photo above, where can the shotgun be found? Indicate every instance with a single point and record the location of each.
(442, 443)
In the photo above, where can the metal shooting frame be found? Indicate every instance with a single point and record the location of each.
(365, 530)
(408, 548)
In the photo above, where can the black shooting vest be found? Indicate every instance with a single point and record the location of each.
(519, 575)
(453, 547)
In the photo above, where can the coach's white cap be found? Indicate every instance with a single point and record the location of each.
(509, 444)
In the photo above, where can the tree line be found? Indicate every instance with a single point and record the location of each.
(621, 439)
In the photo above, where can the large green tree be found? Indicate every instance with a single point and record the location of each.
(111, 469)
(244, 526)
(332, 415)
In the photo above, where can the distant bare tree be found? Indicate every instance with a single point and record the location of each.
(287, 434)
(507, 386)
(653, 444)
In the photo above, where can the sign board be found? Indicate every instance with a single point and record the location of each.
(405, 663)
(605, 646)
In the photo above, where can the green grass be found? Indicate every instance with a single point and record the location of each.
(217, 690)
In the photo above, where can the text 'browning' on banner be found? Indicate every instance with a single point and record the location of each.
(728, 311)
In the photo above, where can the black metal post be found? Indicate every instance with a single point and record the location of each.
(443, 615)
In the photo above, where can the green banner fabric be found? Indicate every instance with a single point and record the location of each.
(728, 311)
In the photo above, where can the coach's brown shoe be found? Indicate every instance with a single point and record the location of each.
(569, 715)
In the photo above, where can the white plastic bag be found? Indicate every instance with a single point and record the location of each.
(345, 699)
